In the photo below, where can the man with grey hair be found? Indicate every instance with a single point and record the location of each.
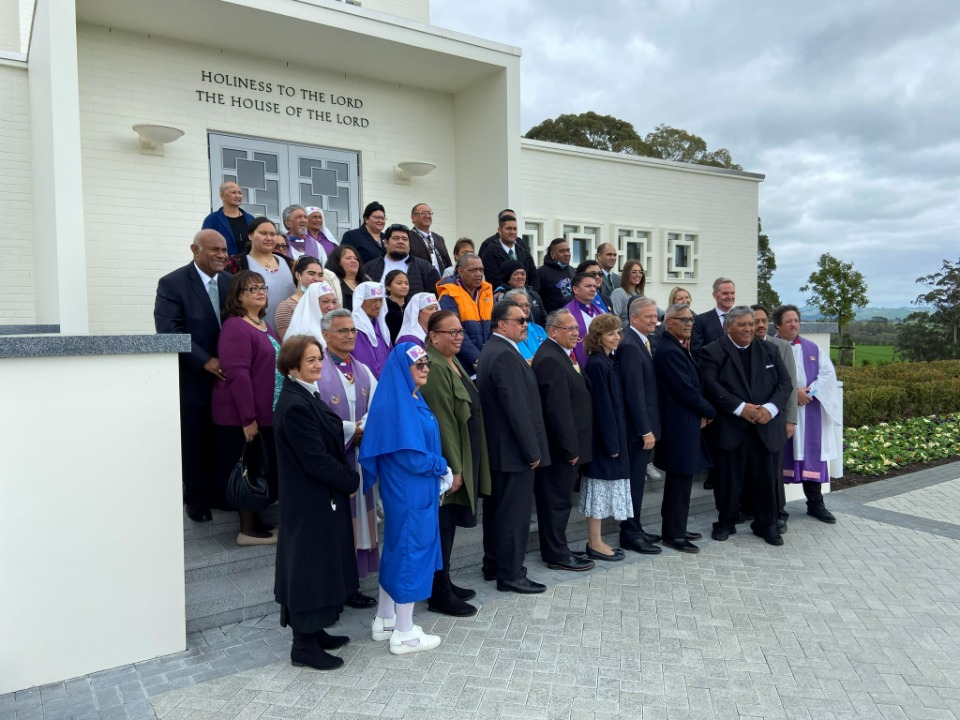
(536, 334)
(568, 416)
(230, 220)
(471, 298)
(748, 384)
(295, 221)
(347, 386)
(634, 357)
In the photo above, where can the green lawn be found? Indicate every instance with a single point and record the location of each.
(873, 353)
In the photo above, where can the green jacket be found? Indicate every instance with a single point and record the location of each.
(450, 403)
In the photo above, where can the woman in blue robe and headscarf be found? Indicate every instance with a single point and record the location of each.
(401, 447)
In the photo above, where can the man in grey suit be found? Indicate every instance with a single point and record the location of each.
(607, 258)
(762, 317)
(517, 444)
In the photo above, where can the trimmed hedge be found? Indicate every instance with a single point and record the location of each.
(887, 393)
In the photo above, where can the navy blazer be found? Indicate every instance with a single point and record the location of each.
(707, 327)
(609, 424)
(512, 414)
(218, 221)
(362, 241)
(183, 307)
(640, 398)
(682, 448)
(727, 386)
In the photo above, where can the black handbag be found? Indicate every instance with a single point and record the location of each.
(245, 492)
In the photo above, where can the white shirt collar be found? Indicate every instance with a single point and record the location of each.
(203, 276)
(309, 387)
(508, 250)
(504, 337)
(642, 336)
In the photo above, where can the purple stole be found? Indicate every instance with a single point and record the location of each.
(373, 357)
(332, 393)
(306, 245)
(578, 310)
(811, 468)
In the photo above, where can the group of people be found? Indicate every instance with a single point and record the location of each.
(513, 391)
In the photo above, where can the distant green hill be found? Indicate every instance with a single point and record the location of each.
(892, 314)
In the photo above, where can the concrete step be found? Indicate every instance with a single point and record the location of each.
(226, 583)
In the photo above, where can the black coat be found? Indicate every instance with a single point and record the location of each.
(493, 256)
(183, 307)
(363, 242)
(512, 414)
(556, 284)
(707, 327)
(682, 448)
(726, 386)
(640, 399)
(609, 423)
(418, 247)
(567, 408)
(422, 275)
(316, 564)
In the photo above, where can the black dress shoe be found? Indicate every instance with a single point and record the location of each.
(360, 601)
(822, 514)
(771, 537)
(693, 536)
(618, 555)
(451, 605)
(640, 546)
(572, 563)
(326, 641)
(463, 593)
(722, 534)
(522, 585)
(781, 526)
(199, 514)
(648, 537)
(684, 546)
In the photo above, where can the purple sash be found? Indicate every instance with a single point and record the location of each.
(306, 245)
(332, 393)
(811, 468)
(578, 311)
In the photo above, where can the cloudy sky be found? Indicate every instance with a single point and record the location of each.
(851, 109)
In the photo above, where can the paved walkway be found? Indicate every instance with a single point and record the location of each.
(855, 620)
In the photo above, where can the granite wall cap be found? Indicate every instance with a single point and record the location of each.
(14, 346)
(29, 329)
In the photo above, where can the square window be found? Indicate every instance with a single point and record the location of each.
(250, 174)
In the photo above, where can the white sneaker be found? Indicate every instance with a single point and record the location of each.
(653, 473)
(380, 631)
(427, 642)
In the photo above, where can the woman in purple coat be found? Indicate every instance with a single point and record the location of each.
(242, 404)
(370, 317)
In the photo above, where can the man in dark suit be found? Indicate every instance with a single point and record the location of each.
(708, 326)
(568, 416)
(641, 402)
(609, 280)
(507, 247)
(425, 244)
(422, 276)
(684, 413)
(749, 385)
(517, 443)
(189, 302)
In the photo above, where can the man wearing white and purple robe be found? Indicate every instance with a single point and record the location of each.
(346, 385)
(806, 458)
(583, 309)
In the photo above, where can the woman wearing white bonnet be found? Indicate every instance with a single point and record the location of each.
(317, 231)
(319, 299)
(415, 318)
(370, 317)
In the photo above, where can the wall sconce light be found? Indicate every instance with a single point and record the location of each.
(154, 137)
(403, 171)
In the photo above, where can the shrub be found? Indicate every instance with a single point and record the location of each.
(888, 392)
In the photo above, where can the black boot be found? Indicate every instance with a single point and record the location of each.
(330, 642)
(462, 593)
(306, 652)
(443, 601)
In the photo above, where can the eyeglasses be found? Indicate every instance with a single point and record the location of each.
(567, 328)
(425, 213)
(422, 365)
(256, 289)
(280, 246)
(522, 321)
(345, 331)
(452, 333)
(683, 320)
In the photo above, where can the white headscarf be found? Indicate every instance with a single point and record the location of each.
(367, 291)
(307, 315)
(411, 315)
(323, 230)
